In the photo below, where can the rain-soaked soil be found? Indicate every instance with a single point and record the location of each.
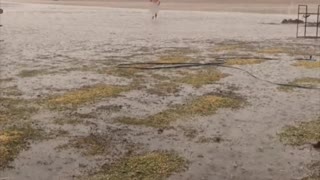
(223, 118)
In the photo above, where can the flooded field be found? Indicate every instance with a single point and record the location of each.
(102, 93)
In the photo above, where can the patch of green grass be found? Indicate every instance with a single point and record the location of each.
(180, 51)
(202, 77)
(159, 77)
(60, 133)
(11, 91)
(164, 89)
(91, 145)
(74, 118)
(308, 64)
(14, 130)
(174, 58)
(86, 95)
(13, 141)
(6, 80)
(227, 47)
(110, 108)
(244, 61)
(284, 50)
(124, 72)
(303, 133)
(150, 166)
(33, 73)
(15, 109)
(190, 132)
(68, 120)
(306, 82)
(275, 50)
(202, 106)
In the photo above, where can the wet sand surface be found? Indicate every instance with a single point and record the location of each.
(47, 51)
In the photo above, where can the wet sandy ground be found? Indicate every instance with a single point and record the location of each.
(70, 45)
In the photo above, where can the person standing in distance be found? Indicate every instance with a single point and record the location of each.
(155, 8)
(1, 12)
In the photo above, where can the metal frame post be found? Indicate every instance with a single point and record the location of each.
(318, 21)
(305, 14)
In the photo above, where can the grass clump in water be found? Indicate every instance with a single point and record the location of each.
(91, 145)
(86, 95)
(203, 106)
(15, 109)
(68, 120)
(32, 73)
(13, 141)
(308, 64)
(244, 61)
(202, 77)
(164, 89)
(303, 133)
(189, 132)
(306, 82)
(150, 166)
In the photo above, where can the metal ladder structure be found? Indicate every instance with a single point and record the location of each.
(309, 29)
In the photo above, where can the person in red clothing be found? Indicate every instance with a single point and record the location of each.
(155, 8)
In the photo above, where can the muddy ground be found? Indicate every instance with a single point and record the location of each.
(101, 93)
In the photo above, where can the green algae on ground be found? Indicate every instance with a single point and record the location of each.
(202, 77)
(13, 141)
(303, 133)
(86, 95)
(202, 106)
(150, 166)
(308, 64)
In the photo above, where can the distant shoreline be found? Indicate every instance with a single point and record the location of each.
(247, 6)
